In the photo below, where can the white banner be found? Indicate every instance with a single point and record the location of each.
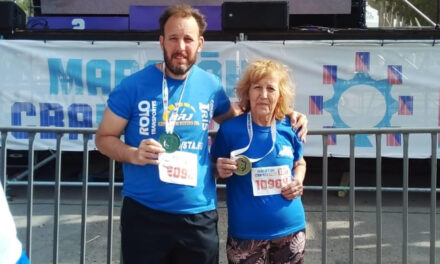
(350, 84)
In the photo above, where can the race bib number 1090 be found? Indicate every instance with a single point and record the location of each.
(270, 180)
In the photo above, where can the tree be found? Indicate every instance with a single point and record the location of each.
(23, 4)
(400, 8)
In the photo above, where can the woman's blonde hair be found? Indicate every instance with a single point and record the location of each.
(259, 69)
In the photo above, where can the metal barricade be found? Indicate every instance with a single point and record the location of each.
(378, 132)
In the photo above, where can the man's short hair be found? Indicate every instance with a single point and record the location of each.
(182, 10)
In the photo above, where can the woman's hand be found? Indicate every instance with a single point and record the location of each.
(292, 190)
(226, 167)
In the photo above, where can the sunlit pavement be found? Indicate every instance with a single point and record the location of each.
(338, 233)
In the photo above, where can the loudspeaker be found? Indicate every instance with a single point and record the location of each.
(255, 15)
(356, 18)
(11, 16)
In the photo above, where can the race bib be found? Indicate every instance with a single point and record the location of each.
(178, 167)
(270, 180)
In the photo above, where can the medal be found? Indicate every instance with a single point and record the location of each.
(244, 165)
(170, 142)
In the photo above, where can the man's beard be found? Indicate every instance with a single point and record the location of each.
(181, 69)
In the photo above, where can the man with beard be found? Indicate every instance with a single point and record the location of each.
(169, 209)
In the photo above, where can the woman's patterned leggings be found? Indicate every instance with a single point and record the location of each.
(287, 249)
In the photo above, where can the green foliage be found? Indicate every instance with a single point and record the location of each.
(399, 7)
(23, 4)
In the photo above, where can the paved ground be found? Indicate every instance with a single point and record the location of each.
(337, 236)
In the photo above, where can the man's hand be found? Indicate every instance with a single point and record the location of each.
(299, 121)
(147, 152)
(109, 143)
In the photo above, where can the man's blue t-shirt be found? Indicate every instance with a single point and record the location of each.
(139, 100)
(267, 216)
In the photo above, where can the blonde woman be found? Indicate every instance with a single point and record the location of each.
(260, 156)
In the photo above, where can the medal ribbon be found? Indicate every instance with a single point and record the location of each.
(237, 152)
(170, 120)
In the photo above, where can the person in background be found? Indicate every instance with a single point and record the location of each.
(169, 209)
(11, 251)
(261, 159)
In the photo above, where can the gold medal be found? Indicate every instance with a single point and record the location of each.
(244, 165)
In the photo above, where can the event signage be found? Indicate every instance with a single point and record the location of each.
(346, 84)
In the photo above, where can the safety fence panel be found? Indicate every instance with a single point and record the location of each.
(87, 133)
